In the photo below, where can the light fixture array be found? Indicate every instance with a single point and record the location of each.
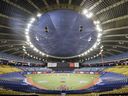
(99, 54)
(99, 32)
(25, 51)
(84, 12)
(29, 25)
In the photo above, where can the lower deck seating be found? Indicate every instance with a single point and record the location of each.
(11, 92)
(118, 69)
(7, 69)
(116, 91)
(35, 69)
(90, 69)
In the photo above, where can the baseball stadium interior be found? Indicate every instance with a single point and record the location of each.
(64, 47)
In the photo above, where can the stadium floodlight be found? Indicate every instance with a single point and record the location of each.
(34, 49)
(31, 45)
(99, 35)
(85, 11)
(101, 47)
(38, 14)
(29, 25)
(91, 49)
(32, 20)
(25, 52)
(37, 50)
(42, 54)
(79, 55)
(85, 53)
(26, 33)
(98, 27)
(89, 15)
(97, 22)
(82, 54)
(24, 47)
(26, 30)
(28, 54)
(98, 39)
(27, 37)
(101, 50)
(95, 45)
(88, 51)
(98, 43)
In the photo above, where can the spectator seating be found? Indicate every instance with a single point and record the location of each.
(116, 91)
(118, 69)
(7, 69)
(90, 69)
(35, 69)
(18, 58)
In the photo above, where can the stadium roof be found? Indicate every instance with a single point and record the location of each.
(112, 15)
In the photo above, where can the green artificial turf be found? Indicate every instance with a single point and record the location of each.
(57, 81)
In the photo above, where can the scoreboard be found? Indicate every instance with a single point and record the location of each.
(52, 64)
(74, 65)
(63, 64)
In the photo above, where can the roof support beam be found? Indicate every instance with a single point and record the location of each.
(82, 3)
(96, 4)
(29, 1)
(114, 41)
(107, 52)
(116, 50)
(17, 6)
(69, 2)
(2, 26)
(122, 46)
(46, 4)
(4, 45)
(12, 34)
(114, 35)
(111, 6)
(6, 50)
(13, 53)
(114, 29)
(13, 40)
(57, 1)
(115, 19)
(117, 46)
(8, 17)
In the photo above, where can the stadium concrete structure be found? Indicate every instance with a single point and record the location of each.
(64, 47)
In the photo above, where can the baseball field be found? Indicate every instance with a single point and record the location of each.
(62, 81)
